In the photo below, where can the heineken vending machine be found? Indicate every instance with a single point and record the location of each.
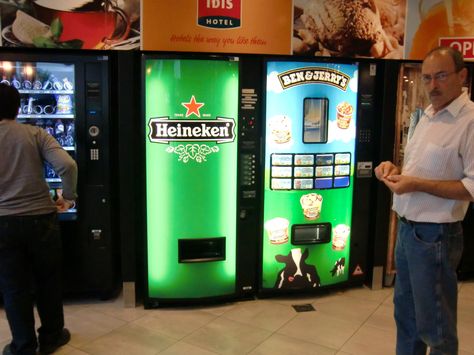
(310, 217)
(199, 212)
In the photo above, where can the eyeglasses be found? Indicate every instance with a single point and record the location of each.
(441, 76)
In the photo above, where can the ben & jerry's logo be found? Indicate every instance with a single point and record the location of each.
(311, 75)
(196, 132)
(220, 14)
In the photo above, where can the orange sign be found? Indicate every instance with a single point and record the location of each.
(224, 26)
(440, 22)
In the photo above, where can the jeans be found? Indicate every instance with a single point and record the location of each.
(425, 297)
(30, 268)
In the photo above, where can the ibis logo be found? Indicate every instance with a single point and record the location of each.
(219, 14)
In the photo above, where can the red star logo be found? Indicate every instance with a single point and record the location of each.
(192, 107)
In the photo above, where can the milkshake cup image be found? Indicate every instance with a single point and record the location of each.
(311, 205)
(277, 229)
(344, 112)
(280, 128)
(340, 235)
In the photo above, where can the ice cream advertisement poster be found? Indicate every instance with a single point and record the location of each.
(349, 28)
(310, 129)
(224, 26)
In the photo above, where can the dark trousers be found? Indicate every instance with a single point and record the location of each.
(30, 269)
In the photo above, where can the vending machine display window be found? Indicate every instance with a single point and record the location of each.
(315, 120)
(47, 100)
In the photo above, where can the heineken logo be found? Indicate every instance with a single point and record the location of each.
(312, 75)
(219, 14)
(165, 130)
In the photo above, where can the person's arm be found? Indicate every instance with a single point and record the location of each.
(62, 163)
(450, 189)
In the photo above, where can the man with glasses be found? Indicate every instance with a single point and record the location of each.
(431, 197)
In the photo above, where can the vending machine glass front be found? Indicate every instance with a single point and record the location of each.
(47, 100)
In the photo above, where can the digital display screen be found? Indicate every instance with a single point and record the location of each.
(315, 120)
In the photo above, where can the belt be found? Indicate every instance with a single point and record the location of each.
(404, 220)
(407, 221)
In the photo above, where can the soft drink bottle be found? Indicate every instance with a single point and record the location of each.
(69, 134)
(49, 127)
(59, 131)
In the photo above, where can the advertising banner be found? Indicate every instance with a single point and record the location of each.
(349, 28)
(311, 112)
(191, 176)
(432, 23)
(70, 24)
(226, 26)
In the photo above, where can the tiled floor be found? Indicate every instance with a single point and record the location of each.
(351, 321)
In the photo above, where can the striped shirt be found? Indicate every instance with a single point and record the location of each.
(442, 148)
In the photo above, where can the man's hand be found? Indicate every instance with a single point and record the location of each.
(401, 184)
(386, 169)
(63, 205)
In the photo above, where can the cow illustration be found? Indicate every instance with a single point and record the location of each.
(339, 267)
(296, 274)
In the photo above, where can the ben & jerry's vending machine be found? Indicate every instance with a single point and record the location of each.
(319, 118)
(201, 148)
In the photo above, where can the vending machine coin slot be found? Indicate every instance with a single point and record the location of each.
(364, 169)
(96, 234)
(97, 237)
(94, 131)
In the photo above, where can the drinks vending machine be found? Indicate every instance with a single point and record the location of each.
(201, 148)
(68, 96)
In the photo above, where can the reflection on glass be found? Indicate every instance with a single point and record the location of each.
(315, 120)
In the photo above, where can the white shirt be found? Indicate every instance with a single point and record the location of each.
(442, 148)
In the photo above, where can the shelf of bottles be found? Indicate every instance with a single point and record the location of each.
(48, 101)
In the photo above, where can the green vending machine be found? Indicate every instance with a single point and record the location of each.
(312, 235)
(193, 162)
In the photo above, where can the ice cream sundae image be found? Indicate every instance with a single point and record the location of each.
(340, 235)
(277, 229)
(344, 114)
(311, 205)
(280, 129)
(371, 28)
